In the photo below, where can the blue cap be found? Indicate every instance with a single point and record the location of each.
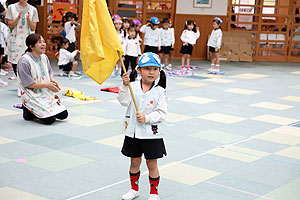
(149, 59)
(154, 20)
(219, 19)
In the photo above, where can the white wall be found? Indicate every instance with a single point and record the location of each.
(219, 7)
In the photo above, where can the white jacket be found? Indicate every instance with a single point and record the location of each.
(132, 47)
(122, 39)
(167, 37)
(215, 39)
(151, 37)
(65, 56)
(70, 31)
(190, 36)
(153, 104)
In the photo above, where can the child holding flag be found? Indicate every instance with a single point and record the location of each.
(144, 131)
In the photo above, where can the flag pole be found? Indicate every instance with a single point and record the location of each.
(130, 88)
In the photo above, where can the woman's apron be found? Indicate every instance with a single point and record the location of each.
(41, 102)
(16, 39)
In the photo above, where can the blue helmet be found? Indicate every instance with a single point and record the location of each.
(154, 20)
(219, 19)
(149, 59)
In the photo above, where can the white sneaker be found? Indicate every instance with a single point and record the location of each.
(61, 72)
(3, 73)
(3, 83)
(216, 71)
(131, 194)
(210, 70)
(153, 197)
(19, 92)
(72, 74)
(169, 67)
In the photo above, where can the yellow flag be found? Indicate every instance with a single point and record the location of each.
(99, 41)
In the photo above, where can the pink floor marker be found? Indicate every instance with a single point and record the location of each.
(242, 191)
(21, 160)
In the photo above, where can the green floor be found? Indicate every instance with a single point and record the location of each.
(230, 137)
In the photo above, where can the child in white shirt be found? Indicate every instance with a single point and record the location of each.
(122, 34)
(152, 36)
(70, 27)
(132, 50)
(214, 44)
(167, 42)
(144, 131)
(189, 37)
(66, 62)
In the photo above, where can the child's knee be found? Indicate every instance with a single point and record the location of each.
(75, 63)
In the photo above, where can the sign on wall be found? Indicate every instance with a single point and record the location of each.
(59, 9)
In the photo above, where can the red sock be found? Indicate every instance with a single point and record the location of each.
(134, 180)
(153, 185)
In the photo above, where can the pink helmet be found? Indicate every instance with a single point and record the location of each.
(115, 16)
(136, 22)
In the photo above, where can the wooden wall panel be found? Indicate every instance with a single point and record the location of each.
(205, 25)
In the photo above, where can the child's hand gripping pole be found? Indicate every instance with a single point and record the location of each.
(130, 88)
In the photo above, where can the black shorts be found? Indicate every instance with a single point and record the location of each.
(165, 50)
(187, 49)
(4, 59)
(151, 49)
(151, 148)
(66, 67)
(172, 49)
(1, 51)
(213, 50)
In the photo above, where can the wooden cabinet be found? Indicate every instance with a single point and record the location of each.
(51, 17)
(143, 10)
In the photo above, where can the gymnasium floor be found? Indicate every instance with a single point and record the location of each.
(230, 137)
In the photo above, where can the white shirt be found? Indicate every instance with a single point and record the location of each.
(215, 39)
(132, 47)
(4, 31)
(65, 56)
(151, 37)
(167, 37)
(153, 104)
(122, 40)
(189, 36)
(70, 31)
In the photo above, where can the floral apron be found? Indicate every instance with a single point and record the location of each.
(16, 39)
(41, 102)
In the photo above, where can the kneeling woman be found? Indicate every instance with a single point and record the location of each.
(37, 85)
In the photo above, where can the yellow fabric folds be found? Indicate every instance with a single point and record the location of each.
(79, 95)
(99, 41)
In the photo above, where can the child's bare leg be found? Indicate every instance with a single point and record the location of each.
(166, 58)
(152, 167)
(188, 59)
(135, 164)
(74, 65)
(171, 58)
(183, 60)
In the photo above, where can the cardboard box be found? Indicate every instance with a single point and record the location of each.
(234, 46)
(245, 47)
(225, 58)
(226, 39)
(245, 58)
(234, 58)
(227, 34)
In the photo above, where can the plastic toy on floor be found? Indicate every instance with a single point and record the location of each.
(216, 73)
(19, 106)
(112, 90)
(79, 95)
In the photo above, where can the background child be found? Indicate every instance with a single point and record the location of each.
(172, 48)
(126, 24)
(143, 132)
(132, 49)
(152, 35)
(122, 34)
(4, 31)
(70, 27)
(214, 44)
(167, 42)
(189, 37)
(66, 61)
